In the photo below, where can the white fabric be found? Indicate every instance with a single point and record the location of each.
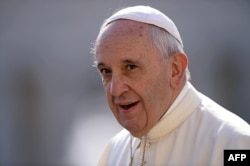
(194, 133)
(178, 99)
(149, 15)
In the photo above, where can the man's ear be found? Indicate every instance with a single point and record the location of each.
(179, 62)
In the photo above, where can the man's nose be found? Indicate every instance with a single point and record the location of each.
(118, 85)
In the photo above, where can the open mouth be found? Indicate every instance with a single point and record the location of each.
(128, 106)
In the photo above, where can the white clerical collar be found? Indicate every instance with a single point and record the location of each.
(179, 98)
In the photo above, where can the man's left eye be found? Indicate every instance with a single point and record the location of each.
(131, 67)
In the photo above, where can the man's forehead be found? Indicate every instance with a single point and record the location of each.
(124, 26)
(124, 34)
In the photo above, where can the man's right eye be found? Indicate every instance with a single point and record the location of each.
(104, 71)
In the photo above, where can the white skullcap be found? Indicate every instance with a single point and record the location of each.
(149, 15)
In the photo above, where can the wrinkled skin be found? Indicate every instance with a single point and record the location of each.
(140, 84)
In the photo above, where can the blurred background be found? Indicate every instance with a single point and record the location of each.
(52, 106)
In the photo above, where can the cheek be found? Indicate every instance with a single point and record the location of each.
(156, 94)
(156, 85)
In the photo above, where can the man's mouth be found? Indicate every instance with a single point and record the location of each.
(128, 106)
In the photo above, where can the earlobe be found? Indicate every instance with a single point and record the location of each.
(179, 64)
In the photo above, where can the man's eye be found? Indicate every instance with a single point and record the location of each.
(131, 67)
(104, 71)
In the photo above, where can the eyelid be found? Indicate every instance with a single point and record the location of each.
(131, 66)
(103, 70)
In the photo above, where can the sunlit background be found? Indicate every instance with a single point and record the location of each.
(52, 106)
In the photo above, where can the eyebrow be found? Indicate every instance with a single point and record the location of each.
(130, 61)
(99, 64)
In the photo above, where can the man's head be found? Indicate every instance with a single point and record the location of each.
(143, 67)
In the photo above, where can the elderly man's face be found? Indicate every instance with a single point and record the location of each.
(135, 77)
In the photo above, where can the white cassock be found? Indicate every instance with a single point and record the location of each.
(195, 131)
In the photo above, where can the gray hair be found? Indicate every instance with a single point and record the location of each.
(164, 42)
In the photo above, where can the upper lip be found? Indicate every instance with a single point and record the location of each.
(127, 105)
